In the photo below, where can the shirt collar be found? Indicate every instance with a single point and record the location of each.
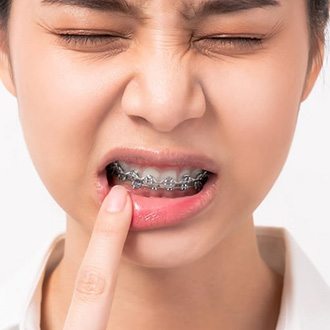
(52, 256)
(305, 303)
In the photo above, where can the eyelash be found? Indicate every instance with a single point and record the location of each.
(240, 41)
(87, 38)
(94, 39)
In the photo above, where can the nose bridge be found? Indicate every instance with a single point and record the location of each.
(166, 77)
(164, 90)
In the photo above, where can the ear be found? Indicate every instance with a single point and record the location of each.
(313, 72)
(6, 74)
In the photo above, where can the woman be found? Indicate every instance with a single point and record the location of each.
(191, 107)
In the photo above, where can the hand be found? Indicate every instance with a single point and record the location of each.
(96, 279)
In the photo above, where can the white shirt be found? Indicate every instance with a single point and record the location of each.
(305, 303)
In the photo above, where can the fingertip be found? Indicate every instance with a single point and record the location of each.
(116, 199)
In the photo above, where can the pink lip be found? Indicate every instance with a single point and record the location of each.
(156, 212)
(159, 158)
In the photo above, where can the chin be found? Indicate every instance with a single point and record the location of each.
(167, 248)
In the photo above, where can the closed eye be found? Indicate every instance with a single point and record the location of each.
(87, 39)
(229, 44)
(241, 41)
(111, 44)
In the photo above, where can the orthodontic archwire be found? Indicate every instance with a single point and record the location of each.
(150, 182)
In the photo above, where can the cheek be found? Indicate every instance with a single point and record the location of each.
(257, 103)
(63, 101)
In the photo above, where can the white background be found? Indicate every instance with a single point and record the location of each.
(299, 200)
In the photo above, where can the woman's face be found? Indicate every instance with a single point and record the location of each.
(164, 82)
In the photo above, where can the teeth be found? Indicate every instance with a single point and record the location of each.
(125, 166)
(151, 171)
(184, 172)
(168, 179)
(160, 175)
(168, 174)
(194, 173)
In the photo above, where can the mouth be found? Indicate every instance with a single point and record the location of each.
(170, 182)
(166, 187)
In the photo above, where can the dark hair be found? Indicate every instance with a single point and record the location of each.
(318, 13)
(4, 11)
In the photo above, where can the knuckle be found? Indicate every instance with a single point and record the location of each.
(90, 284)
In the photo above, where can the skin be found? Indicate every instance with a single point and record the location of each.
(237, 104)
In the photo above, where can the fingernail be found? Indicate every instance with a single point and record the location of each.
(117, 199)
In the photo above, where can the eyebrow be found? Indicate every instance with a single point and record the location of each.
(212, 7)
(204, 8)
(102, 5)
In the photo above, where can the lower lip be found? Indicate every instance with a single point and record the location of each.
(160, 212)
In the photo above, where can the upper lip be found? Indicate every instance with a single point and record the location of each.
(158, 158)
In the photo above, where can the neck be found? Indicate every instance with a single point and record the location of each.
(230, 288)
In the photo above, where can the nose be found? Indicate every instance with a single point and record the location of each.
(164, 92)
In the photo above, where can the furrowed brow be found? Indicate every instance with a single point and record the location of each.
(213, 7)
(120, 6)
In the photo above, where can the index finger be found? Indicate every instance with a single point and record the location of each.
(97, 275)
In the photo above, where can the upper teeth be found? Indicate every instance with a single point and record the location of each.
(153, 178)
(160, 175)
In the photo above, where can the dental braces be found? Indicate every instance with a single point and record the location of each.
(150, 182)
